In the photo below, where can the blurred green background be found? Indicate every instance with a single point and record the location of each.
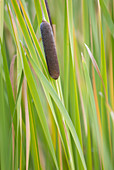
(57, 124)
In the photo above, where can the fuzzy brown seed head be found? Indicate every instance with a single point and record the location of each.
(49, 49)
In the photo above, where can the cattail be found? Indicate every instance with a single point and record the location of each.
(49, 49)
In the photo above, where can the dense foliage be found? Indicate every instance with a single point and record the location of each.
(66, 123)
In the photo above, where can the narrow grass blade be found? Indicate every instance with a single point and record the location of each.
(8, 84)
(74, 110)
(80, 80)
(34, 141)
(60, 153)
(35, 24)
(105, 115)
(66, 57)
(93, 22)
(38, 11)
(20, 163)
(70, 26)
(89, 151)
(5, 143)
(12, 73)
(2, 124)
(96, 102)
(27, 124)
(86, 28)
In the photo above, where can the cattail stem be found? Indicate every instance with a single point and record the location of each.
(48, 14)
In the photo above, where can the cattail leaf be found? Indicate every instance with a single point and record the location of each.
(62, 109)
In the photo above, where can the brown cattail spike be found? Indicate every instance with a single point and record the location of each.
(49, 49)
